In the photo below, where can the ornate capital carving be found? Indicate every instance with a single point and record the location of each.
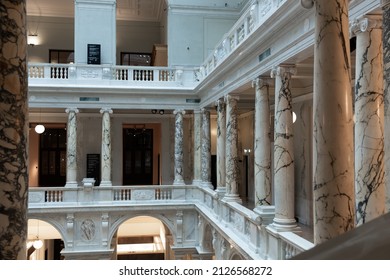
(283, 70)
(104, 110)
(307, 4)
(261, 82)
(366, 23)
(74, 110)
(179, 111)
(385, 4)
(231, 97)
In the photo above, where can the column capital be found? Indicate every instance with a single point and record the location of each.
(283, 70)
(72, 109)
(366, 23)
(204, 110)
(104, 110)
(307, 4)
(219, 102)
(260, 82)
(231, 96)
(385, 3)
(179, 111)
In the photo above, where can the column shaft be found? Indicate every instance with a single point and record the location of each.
(386, 68)
(333, 152)
(262, 150)
(221, 146)
(206, 149)
(71, 148)
(231, 150)
(283, 150)
(197, 147)
(369, 118)
(13, 130)
(106, 148)
(179, 115)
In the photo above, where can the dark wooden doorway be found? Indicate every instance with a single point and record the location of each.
(52, 158)
(137, 156)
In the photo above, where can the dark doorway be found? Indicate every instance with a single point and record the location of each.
(52, 157)
(137, 156)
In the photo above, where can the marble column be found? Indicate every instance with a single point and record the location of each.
(221, 147)
(262, 150)
(179, 179)
(106, 160)
(333, 145)
(206, 149)
(197, 147)
(232, 168)
(283, 150)
(386, 90)
(13, 131)
(369, 120)
(71, 148)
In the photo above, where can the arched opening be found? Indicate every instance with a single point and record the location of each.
(143, 238)
(44, 241)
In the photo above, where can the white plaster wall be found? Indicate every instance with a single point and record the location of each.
(199, 34)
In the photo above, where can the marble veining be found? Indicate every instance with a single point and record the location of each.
(369, 118)
(13, 130)
(179, 179)
(71, 148)
(197, 147)
(106, 147)
(283, 148)
(221, 144)
(333, 156)
(262, 147)
(206, 149)
(232, 170)
(386, 67)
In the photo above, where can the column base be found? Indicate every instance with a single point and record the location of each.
(105, 184)
(266, 213)
(221, 191)
(232, 198)
(71, 184)
(197, 182)
(179, 183)
(285, 225)
(207, 185)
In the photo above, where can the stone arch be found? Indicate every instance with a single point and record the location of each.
(54, 223)
(234, 255)
(168, 223)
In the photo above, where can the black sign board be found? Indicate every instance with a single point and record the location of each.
(93, 54)
(93, 167)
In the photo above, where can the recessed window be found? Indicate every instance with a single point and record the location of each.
(136, 59)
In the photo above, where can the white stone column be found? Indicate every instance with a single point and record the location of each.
(13, 131)
(262, 147)
(231, 150)
(206, 149)
(333, 147)
(179, 179)
(386, 91)
(369, 120)
(197, 147)
(283, 150)
(221, 147)
(106, 160)
(71, 148)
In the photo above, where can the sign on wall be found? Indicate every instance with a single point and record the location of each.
(93, 54)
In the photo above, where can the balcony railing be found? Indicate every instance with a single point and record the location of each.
(124, 75)
(254, 17)
(234, 219)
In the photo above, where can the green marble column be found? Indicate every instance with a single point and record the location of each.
(13, 130)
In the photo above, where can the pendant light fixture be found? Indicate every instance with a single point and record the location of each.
(39, 128)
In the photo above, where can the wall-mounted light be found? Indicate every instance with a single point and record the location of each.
(247, 151)
(161, 112)
(32, 39)
(154, 111)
